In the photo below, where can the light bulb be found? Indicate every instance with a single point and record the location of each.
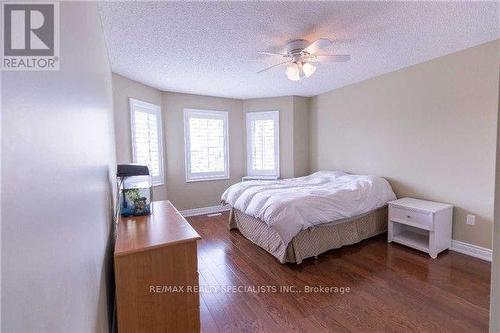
(308, 69)
(293, 72)
(301, 72)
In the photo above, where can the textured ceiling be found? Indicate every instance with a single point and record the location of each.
(211, 48)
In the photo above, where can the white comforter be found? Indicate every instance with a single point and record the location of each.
(291, 205)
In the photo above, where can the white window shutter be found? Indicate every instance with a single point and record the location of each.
(263, 144)
(147, 146)
(206, 145)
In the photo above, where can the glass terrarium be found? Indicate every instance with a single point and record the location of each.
(136, 196)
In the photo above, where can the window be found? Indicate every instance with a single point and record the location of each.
(263, 144)
(147, 146)
(206, 145)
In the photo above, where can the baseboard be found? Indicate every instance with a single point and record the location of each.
(204, 210)
(471, 250)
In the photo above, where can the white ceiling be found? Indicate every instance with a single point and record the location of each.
(211, 48)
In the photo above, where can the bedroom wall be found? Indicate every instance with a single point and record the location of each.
(430, 129)
(58, 162)
(123, 89)
(182, 194)
(294, 129)
(202, 194)
(301, 117)
(495, 265)
(285, 107)
(205, 193)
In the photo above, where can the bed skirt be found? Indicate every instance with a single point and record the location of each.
(313, 241)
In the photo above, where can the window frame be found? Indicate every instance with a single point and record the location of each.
(205, 176)
(263, 115)
(155, 110)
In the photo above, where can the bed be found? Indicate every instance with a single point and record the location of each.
(294, 219)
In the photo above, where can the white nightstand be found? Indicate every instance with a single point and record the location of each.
(422, 225)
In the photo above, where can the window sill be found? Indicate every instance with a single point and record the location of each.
(259, 178)
(195, 180)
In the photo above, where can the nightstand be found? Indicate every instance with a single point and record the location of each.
(420, 224)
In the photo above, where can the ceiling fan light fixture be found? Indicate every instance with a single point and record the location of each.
(308, 69)
(299, 54)
(298, 70)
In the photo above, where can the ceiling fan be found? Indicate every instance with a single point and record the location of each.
(300, 54)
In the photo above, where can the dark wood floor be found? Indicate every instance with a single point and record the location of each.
(392, 288)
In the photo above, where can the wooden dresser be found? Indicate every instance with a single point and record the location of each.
(156, 272)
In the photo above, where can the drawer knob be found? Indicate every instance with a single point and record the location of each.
(408, 216)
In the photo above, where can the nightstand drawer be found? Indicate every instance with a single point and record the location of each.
(411, 217)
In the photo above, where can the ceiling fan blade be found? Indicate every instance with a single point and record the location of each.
(330, 57)
(268, 68)
(317, 45)
(272, 53)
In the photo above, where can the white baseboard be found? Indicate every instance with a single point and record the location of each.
(204, 210)
(471, 250)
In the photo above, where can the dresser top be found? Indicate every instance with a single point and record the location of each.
(424, 205)
(164, 227)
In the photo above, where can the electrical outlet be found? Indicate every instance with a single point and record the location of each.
(471, 219)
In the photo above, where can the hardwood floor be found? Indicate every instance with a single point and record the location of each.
(392, 288)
